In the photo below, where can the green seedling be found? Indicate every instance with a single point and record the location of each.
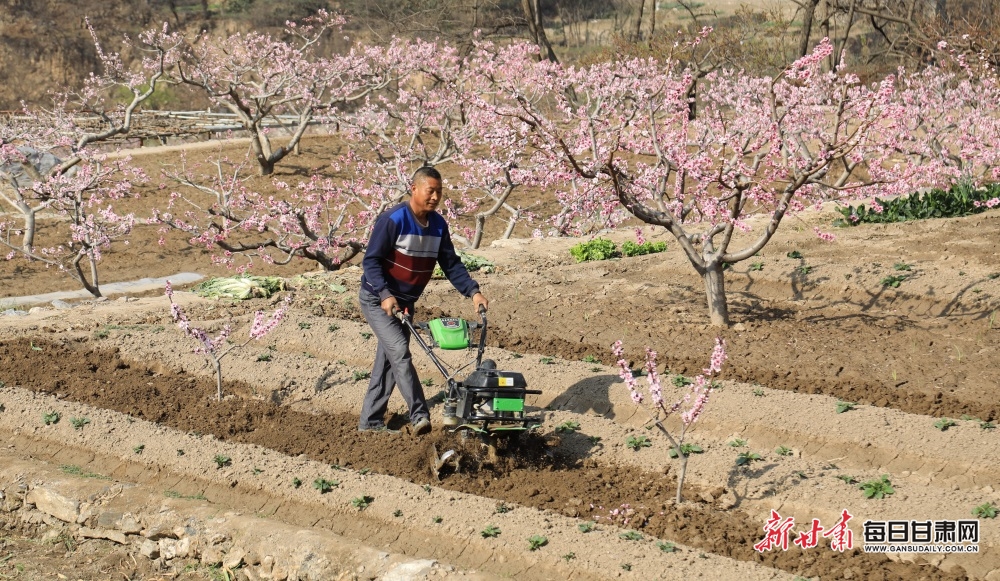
(845, 406)
(847, 479)
(75, 470)
(757, 266)
(51, 418)
(568, 556)
(596, 249)
(502, 507)
(364, 471)
(666, 546)
(296, 482)
(361, 502)
(982, 425)
(783, 451)
(567, 427)
(516, 355)
(34, 347)
(333, 327)
(175, 494)
(680, 381)
(308, 355)
(341, 362)
(490, 532)
(397, 513)
(737, 443)
(630, 536)
(180, 451)
(427, 487)
(901, 266)
(536, 542)
(257, 471)
(758, 392)
(586, 527)
(303, 325)
(78, 423)
(794, 254)
(437, 520)
(596, 370)
(593, 439)
(138, 449)
(591, 359)
(626, 566)
(428, 381)
(893, 281)
(221, 460)
(967, 417)
(637, 442)
(877, 488)
(745, 458)
(961, 273)
(547, 360)
(265, 356)
(359, 375)
(804, 269)
(944, 423)
(987, 510)
(366, 335)
(686, 449)
(102, 333)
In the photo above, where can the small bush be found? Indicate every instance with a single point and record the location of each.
(630, 248)
(596, 249)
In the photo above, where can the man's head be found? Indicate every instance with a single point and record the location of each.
(425, 192)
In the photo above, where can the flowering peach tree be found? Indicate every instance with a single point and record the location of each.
(689, 406)
(215, 349)
(722, 182)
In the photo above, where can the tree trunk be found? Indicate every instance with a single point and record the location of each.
(807, 22)
(638, 20)
(533, 16)
(28, 240)
(715, 292)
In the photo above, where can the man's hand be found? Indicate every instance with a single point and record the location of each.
(480, 301)
(390, 306)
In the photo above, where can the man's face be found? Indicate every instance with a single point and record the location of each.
(425, 195)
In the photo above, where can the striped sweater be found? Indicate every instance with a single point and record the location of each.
(401, 255)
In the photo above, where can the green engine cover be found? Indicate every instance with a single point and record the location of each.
(450, 332)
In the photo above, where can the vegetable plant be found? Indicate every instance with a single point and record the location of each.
(986, 510)
(51, 418)
(745, 458)
(222, 460)
(631, 536)
(569, 426)
(586, 527)
(323, 485)
(361, 502)
(78, 423)
(502, 507)
(737, 443)
(877, 488)
(893, 280)
(536, 542)
(944, 423)
(637, 442)
(685, 449)
(138, 449)
(490, 532)
(666, 546)
(783, 451)
(845, 406)
(596, 249)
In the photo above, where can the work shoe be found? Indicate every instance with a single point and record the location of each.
(379, 430)
(422, 426)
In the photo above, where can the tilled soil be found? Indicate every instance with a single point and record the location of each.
(535, 474)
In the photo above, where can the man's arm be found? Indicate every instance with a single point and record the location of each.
(380, 244)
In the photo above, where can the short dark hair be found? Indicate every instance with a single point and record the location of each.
(425, 172)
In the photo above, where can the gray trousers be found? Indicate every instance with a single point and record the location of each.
(393, 366)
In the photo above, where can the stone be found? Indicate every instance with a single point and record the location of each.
(129, 525)
(36, 310)
(61, 305)
(212, 556)
(51, 502)
(235, 558)
(149, 549)
(111, 535)
(410, 571)
(109, 520)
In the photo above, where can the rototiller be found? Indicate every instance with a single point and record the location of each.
(488, 401)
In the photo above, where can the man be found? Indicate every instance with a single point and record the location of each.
(405, 244)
